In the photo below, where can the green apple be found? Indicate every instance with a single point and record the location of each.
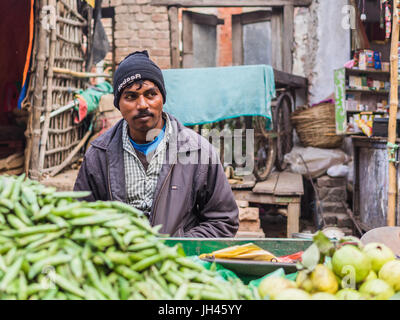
(376, 289)
(379, 254)
(351, 262)
(390, 272)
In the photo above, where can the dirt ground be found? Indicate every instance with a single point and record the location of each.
(64, 181)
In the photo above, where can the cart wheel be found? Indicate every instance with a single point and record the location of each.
(264, 158)
(283, 128)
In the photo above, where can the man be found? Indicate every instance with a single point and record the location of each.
(146, 160)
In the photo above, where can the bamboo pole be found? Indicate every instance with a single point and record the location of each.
(79, 74)
(394, 84)
(67, 161)
(38, 95)
(49, 93)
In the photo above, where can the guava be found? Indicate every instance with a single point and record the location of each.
(376, 289)
(271, 286)
(351, 262)
(351, 240)
(371, 276)
(323, 296)
(379, 254)
(390, 272)
(323, 279)
(303, 281)
(349, 294)
(293, 294)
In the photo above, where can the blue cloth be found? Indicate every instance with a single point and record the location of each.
(151, 146)
(205, 95)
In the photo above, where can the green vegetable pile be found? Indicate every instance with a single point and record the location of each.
(53, 246)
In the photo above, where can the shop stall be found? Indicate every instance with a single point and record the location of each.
(365, 91)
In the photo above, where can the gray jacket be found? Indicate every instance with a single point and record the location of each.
(192, 198)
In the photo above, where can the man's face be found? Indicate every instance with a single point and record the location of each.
(141, 106)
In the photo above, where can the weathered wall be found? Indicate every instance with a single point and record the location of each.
(321, 45)
(140, 26)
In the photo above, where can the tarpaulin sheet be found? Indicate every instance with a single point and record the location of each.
(205, 95)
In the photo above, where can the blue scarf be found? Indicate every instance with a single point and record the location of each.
(151, 146)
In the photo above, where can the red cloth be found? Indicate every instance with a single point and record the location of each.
(82, 110)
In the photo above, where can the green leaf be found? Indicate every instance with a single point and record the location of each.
(323, 243)
(310, 257)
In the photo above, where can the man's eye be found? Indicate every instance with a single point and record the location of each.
(130, 97)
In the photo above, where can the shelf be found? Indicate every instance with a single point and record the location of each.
(367, 112)
(358, 71)
(385, 92)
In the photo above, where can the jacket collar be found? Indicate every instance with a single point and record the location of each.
(183, 138)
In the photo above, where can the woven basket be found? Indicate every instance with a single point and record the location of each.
(316, 126)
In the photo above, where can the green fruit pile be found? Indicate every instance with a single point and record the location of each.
(350, 271)
(53, 246)
(366, 272)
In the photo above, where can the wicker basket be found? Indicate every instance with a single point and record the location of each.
(316, 126)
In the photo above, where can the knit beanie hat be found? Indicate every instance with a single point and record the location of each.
(137, 66)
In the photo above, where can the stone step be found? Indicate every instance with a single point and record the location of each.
(334, 194)
(334, 207)
(327, 181)
(337, 219)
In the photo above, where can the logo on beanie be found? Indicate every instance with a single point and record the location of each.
(129, 79)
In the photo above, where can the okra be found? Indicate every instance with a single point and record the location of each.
(118, 257)
(22, 214)
(50, 261)
(77, 267)
(141, 246)
(15, 222)
(71, 194)
(128, 273)
(68, 286)
(126, 208)
(96, 219)
(11, 273)
(131, 235)
(182, 292)
(9, 185)
(6, 203)
(9, 258)
(47, 238)
(23, 287)
(124, 291)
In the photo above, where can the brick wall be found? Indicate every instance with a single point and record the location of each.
(140, 26)
(225, 35)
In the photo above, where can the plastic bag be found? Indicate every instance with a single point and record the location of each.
(277, 273)
(317, 160)
(340, 170)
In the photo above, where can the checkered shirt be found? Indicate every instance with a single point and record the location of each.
(140, 184)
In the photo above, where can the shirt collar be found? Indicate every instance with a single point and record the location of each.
(125, 137)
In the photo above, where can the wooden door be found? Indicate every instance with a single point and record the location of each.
(199, 38)
(257, 38)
